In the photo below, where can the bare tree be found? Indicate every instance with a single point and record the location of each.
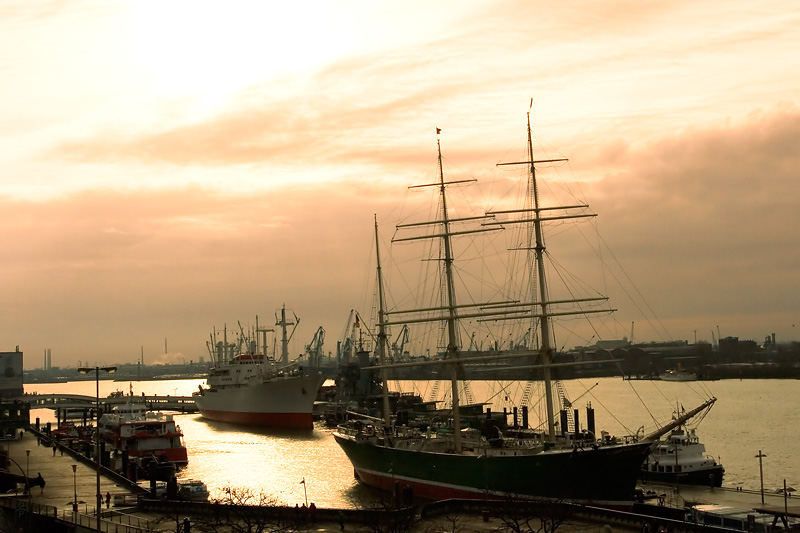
(243, 510)
(538, 517)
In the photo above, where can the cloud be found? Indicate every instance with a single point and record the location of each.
(98, 274)
(705, 216)
(701, 221)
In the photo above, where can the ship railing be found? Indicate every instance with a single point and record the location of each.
(369, 429)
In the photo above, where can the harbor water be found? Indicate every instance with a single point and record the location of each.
(288, 466)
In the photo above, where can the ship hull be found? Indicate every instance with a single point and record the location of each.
(603, 476)
(285, 402)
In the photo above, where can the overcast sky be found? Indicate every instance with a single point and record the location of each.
(168, 167)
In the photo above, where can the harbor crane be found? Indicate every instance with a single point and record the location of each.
(314, 348)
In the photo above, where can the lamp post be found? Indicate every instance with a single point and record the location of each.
(761, 473)
(97, 369)
(74, 490)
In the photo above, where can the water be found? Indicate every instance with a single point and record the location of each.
(750, 415)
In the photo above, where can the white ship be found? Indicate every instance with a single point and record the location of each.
(254, 389)
(678, 375)
(682, 458)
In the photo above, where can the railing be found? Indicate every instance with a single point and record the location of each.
(117, 523)
(114, 523)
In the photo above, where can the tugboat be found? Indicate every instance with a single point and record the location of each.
(682, 458)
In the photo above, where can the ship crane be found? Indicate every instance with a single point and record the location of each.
(344, 347)
(399, 344)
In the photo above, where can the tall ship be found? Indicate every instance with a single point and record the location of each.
(245, 386)
(559, 459)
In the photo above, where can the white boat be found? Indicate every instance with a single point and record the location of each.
(682, 458)
(193, 490)
(253, 389)
(678, 375)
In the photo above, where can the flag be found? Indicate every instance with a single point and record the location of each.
(438, 131)
(303, 482)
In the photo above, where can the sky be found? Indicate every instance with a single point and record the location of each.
(171, 167)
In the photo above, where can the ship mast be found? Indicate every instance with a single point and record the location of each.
(449, 310)
(546, 348)
(285, 338)
(382, 333)
(545, 313)
(452, 348)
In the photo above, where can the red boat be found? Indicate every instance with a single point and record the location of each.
(144, 436)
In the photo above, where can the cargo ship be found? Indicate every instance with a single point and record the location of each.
(251, 388)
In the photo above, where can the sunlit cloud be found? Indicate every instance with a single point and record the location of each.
(689, 218)
(164, 173)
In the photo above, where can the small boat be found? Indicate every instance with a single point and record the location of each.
(678, 375)
(252, 389)
(193, 490)
(682, 458)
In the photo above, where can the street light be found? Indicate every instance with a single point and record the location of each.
(97, 369)
(74, 490)
(761, 473)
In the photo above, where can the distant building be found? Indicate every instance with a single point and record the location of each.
(11, 374)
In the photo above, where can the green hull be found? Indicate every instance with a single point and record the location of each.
(603, 475)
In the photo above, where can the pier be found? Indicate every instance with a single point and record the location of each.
(182, 404)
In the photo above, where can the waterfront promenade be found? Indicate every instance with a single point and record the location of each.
(30, 454)
(56, 469)
(61, 486)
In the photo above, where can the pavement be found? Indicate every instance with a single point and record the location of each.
(686, 495)
(61, 484)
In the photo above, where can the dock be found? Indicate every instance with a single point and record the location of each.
(182, 404)
(69, 478)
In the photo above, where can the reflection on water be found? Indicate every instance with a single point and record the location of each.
(750, 415)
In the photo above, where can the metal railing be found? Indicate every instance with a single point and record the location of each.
(112, 523)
